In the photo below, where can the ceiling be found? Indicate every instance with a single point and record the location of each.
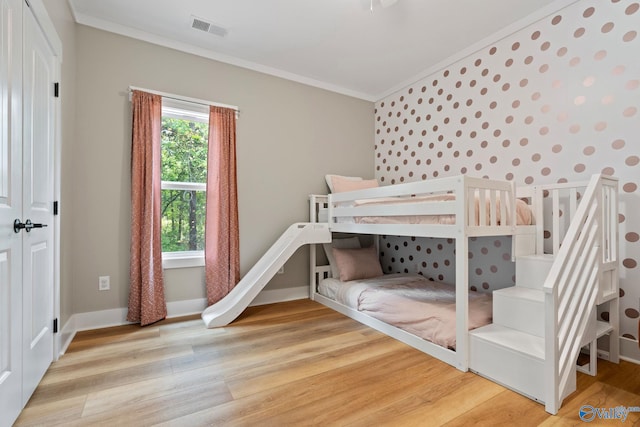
(340, 45)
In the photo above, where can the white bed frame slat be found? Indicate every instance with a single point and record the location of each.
(404, 209)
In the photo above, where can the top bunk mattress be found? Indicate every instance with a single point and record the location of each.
(524, 215)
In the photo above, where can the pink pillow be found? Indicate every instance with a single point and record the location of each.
(355, 264)
(347, 243)
(340, 184)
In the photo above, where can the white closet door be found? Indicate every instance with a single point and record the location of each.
(10, 209)
(38, 193)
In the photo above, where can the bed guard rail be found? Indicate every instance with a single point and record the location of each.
(457, 201)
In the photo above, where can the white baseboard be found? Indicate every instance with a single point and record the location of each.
(67, 333)
(118, 316)
(186, 307)
(281, 295)
(629, 350)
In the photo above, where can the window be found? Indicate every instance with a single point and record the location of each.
(185, 129)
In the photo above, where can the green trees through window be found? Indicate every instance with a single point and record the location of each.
(184, 177)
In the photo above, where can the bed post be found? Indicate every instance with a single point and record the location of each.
(538, 197)
(462, 302)
(313, 217)
(462, 280)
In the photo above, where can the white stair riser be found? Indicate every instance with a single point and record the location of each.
(525, 244)
(531, 272)
(519, 372)
(520, 314)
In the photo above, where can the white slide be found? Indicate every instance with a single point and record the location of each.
(228, 308)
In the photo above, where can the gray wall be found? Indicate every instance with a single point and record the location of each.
(289, 136)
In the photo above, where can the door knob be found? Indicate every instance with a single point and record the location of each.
(27, 226)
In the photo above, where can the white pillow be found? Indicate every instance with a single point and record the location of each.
(348, 243)
(329, 179)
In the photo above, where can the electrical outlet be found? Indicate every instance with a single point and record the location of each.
(103, 283)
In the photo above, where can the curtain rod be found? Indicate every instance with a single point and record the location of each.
(184, 98)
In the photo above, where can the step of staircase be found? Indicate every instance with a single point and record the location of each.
(511, 358)
(532, 270)
(519, 308)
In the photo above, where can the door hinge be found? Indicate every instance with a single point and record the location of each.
(55, 207)
(55, 325)
(56, 90)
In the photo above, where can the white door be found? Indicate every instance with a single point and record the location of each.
(27, 117)
(10, 209)
(37, 204)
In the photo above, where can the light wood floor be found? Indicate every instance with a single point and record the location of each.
(295, 363)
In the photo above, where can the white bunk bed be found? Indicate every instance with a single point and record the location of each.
(461, 207)
(454, 204)
(566, 269)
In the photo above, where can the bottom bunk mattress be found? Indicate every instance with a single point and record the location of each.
(413, 303)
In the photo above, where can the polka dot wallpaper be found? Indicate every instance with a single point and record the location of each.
(556, 101)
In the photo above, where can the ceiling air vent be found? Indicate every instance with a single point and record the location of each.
(208, 27)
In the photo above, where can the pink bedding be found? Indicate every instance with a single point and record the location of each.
(412, 303)
(523, 211)
(427, 310)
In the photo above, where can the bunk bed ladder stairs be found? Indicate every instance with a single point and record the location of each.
(511, 350)
(555, 296)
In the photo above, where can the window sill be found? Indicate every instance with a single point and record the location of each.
(176, 260)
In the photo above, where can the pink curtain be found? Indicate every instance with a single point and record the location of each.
(146, 294)
(222, 247)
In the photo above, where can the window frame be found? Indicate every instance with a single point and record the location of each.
(182, 110)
